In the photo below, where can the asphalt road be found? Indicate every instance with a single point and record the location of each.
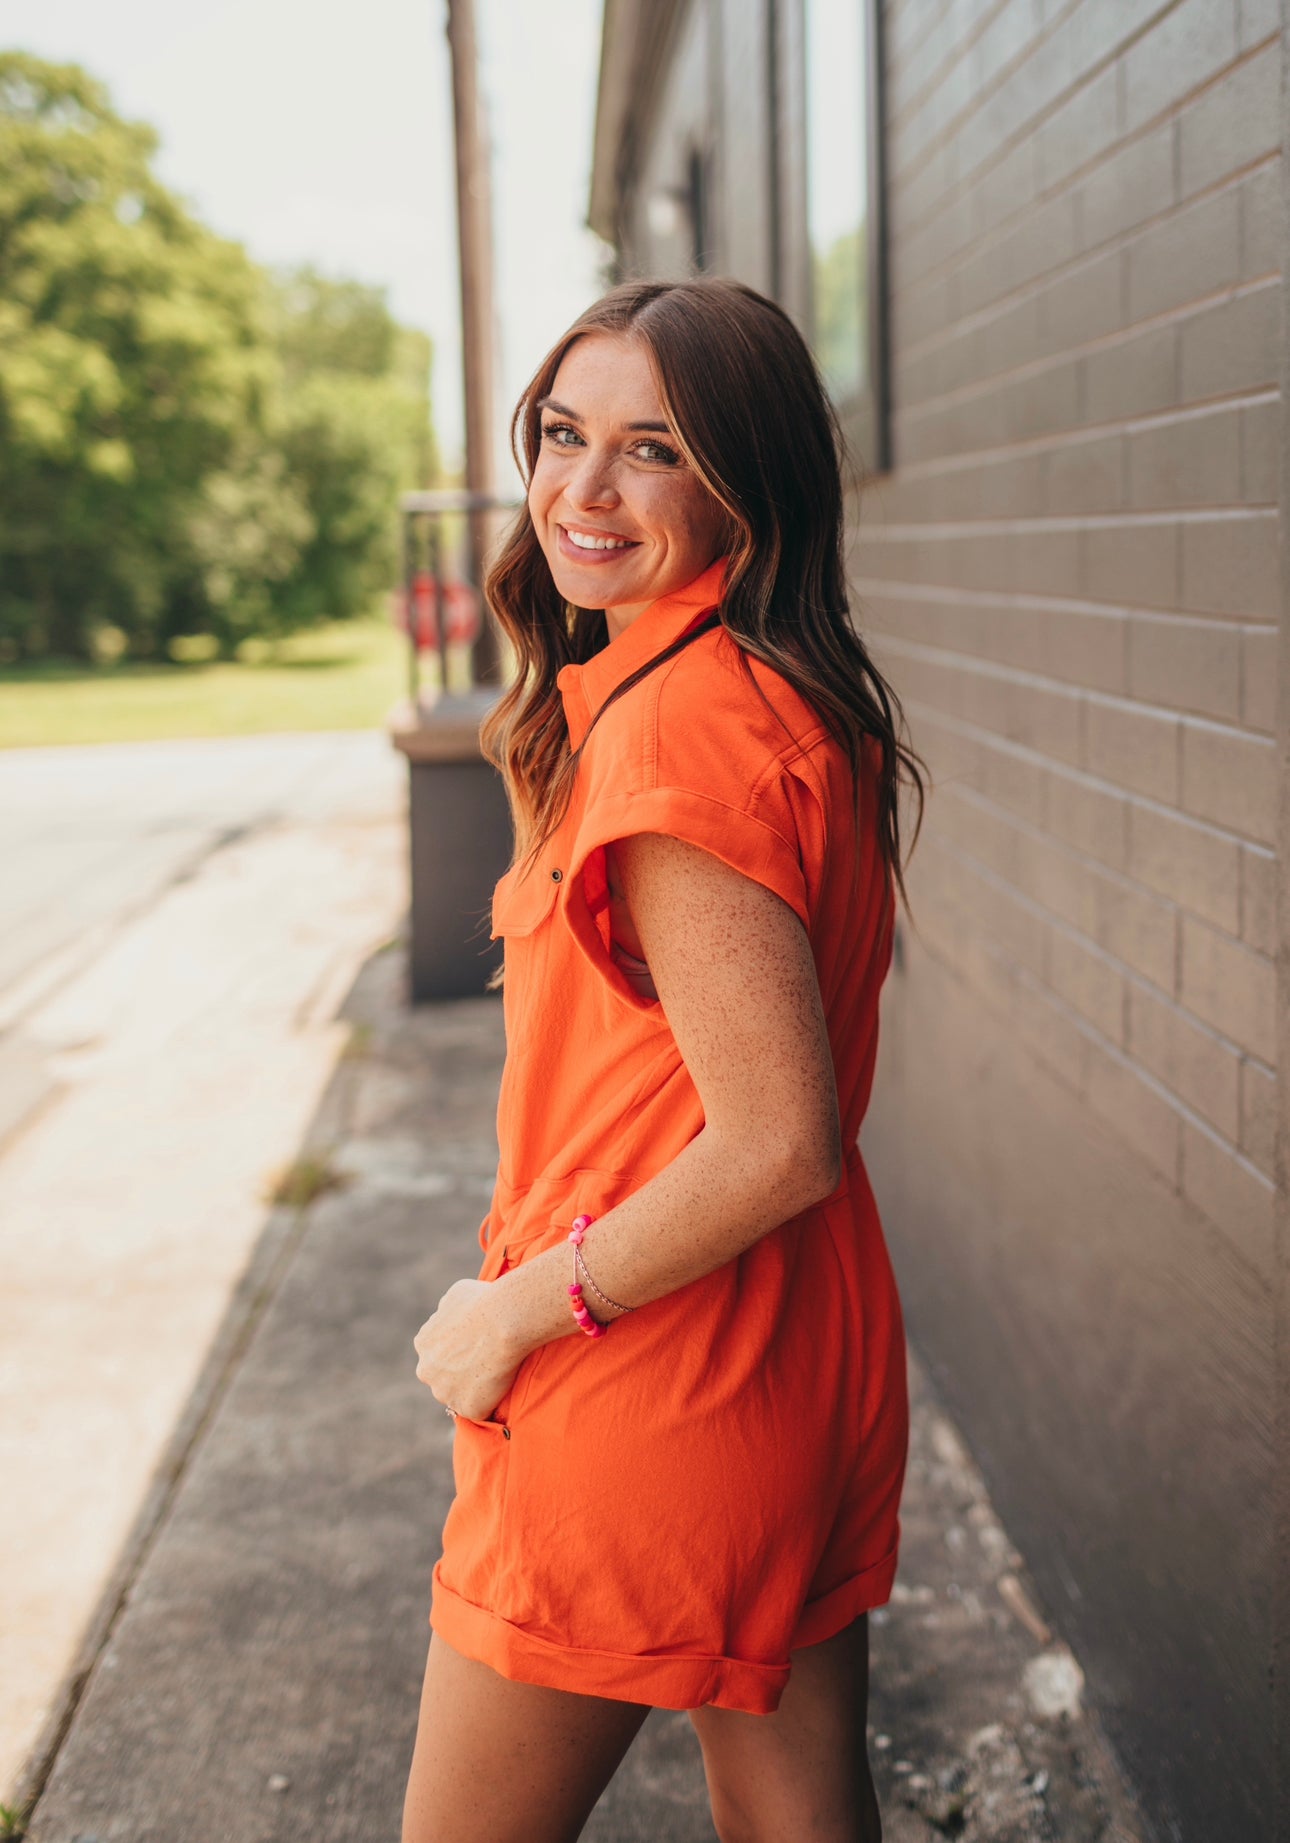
(179, 922)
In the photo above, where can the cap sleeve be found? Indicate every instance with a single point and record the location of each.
(757, 838)
(747, 838)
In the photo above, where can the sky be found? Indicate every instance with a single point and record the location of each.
(322, 133)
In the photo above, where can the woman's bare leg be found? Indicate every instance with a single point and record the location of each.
(803, 1772)
(502, 1762)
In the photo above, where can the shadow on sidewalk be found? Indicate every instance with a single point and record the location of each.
(254, 1674)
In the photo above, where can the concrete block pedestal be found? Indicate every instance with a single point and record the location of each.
(460, 829)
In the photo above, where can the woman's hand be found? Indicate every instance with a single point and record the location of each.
(466, 1358)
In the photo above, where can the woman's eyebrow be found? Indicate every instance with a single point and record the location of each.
(562, 409)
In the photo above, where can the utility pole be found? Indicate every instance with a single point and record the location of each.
(475, 250)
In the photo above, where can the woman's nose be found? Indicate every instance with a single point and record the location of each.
(591, 482)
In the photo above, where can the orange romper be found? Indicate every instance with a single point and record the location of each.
(663, 1514)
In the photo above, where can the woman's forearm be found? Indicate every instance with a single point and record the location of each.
(716, 1198)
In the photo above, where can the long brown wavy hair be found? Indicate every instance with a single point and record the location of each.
(753, 420)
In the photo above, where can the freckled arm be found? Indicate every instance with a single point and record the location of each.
(736, 978)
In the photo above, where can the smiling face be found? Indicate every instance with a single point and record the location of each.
(621, 516)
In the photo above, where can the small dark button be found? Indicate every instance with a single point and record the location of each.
(556, 875)
(506, 1433)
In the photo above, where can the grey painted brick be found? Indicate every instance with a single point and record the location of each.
(1134, 183)
(1078, 129)
(1045, 561)
(1229, 777)
(1084, 648)
(1193, 252)
(1229, 987)
(1011, 336)
(1086, 475)
(1194, 865)
(939, 684)
(1259, 20)
(1038, 404)
(1012, 780)
(1191, 44)
(917, 191)
(1189, 1059)
(1040, 241)
(1017, 708)
(1231, 345)
(980, 830)
(1093, 819)
(1135, 1108)
(1043, 1028)
(1231, 565)
(1134, 562)
(1190, 461)
(1058, 881)
(1018, 409)
(1103, 26)
(1011, 487)
(920, 312)
(1136, 927)
(1261, 452)
(1044, 719)
(935, 110)
(1135, 747)
(1083, 303)
(1004, 38)
(1259, 678)
(952, 754)
(937, 240)
(1235, 1198)
(1187, 665)
(1233, 123)
(1261, 228)
(1259, 899)
(1036, 84)
(1014, 925)
(1089, 982)
(1131, 376)
(926, 374)
(1259, 1116)
(1007, 187)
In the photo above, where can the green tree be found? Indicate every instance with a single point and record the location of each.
(352, 423)
(133, 358)
(187, 443)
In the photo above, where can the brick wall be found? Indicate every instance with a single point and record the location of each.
(1072, 574)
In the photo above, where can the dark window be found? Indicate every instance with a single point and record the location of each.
(843, 212)
(697, 200)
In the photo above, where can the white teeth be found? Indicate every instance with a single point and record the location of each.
(585, 541)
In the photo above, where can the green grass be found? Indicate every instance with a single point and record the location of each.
(295, 1186)
(343, 676)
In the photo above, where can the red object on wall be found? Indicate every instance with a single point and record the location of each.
(461, 608)
(426, 614)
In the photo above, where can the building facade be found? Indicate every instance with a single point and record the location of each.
(1066, 289)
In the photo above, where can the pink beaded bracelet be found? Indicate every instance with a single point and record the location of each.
(586, 1323)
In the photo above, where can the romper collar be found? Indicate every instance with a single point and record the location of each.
(585, 687)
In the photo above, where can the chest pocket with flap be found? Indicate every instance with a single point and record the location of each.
(522, 900)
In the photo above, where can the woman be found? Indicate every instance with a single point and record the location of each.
(680, 1442)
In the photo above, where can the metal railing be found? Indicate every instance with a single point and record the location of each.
(447, 536)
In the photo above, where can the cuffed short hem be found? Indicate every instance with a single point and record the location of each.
(659, 1682)
(833, 1612)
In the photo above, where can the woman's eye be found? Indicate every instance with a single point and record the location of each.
(554, 431)
(658, 451)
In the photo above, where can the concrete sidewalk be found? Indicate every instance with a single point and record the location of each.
(259, 1675)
